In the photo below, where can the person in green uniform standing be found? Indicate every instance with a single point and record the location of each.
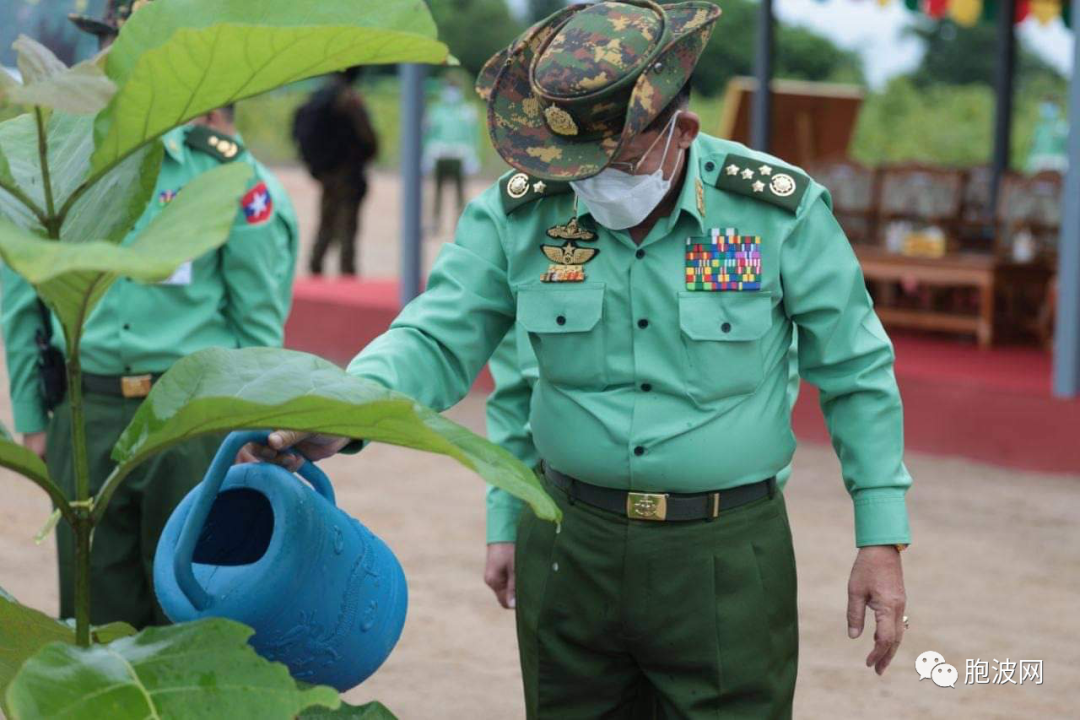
(450, 144)
(237, 296)
(660, 275)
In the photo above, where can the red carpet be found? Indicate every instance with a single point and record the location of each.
(992, 406)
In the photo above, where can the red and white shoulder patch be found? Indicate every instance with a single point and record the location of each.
(258, 205)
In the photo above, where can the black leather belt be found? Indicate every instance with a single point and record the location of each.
(127, 386)
(660, 506)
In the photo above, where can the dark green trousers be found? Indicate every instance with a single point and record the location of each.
(697, 618)
(123, 545)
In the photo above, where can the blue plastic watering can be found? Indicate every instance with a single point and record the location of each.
(253, 544)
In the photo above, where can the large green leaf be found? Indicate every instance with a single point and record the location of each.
(217, 389)
(24, 631)
(105, 211)
(200, 669)
(177, 59)
(374, 710)
(15, 457)
(49, 83)
(36, 62)
(72, 277)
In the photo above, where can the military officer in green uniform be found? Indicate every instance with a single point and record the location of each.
(660, 275)
(237, 296)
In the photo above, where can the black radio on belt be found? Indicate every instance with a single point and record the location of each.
(52, 368)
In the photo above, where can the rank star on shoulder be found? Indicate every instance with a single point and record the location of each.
(732, 169)
(748, 174)
(758, 186)
(765, 170)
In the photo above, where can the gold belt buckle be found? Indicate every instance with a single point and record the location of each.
(135, 386)
(646, 506)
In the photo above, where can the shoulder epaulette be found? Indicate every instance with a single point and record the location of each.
(778, 185)
(220, 146)
(520, 189)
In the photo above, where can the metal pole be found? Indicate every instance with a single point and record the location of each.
(761, 119)
(412, 114)
(1067, 330)
(1006, 70)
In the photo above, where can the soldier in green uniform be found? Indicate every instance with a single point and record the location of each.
(237, 296)
(660, 275)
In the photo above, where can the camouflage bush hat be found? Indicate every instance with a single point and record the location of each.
(116, 14)
(567, 94)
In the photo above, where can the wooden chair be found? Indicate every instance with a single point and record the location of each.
(1032, 204)
(854, 190)
(977, 227)
(923, 196)
(960, 292)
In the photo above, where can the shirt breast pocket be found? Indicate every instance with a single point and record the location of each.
(564, 328)
(722, 333)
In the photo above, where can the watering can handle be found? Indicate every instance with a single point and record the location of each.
(208, 491)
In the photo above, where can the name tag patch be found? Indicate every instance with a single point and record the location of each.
(724, 260)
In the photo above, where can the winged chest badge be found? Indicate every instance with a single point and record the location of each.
(569, 262)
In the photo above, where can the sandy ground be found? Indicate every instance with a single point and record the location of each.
(993, 573)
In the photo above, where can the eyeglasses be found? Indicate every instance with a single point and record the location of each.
(631, 168)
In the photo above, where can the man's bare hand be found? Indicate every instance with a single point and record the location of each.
(499, 573)
(35, 443)
(877, 580)
(313, 446)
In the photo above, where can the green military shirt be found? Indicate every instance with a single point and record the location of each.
(645, 383)
(236, 296)
(515, 371)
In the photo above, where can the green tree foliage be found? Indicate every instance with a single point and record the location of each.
(801, 54)
(957, 55)
(475, 29)
(940, 124)
(540, 9)
(942, 113)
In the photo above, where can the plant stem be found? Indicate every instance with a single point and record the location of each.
(84, 523)
(43, 156)
(82, 530)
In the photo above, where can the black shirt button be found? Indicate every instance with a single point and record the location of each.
(127, 326)
(560, 320)
(639, 451)
(709, 166)
(646, 387)
(643, 323)
(127, 368)
(726, 327)
(639, 254)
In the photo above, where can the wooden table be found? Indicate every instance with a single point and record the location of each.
(989, 275)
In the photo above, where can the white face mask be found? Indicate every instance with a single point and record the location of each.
(620, 200)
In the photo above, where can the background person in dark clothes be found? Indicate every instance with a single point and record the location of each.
(336, 141)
